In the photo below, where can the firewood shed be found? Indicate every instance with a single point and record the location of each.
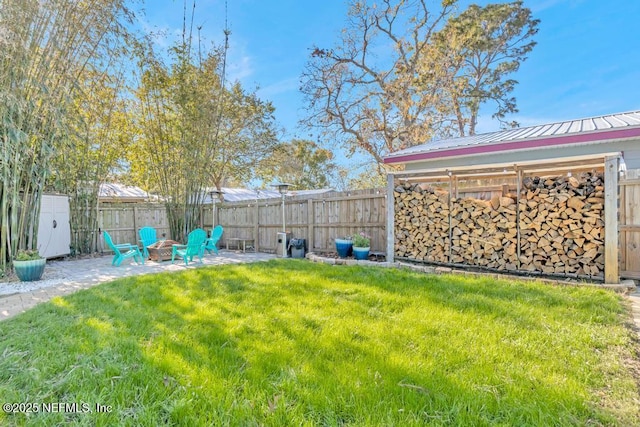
(559, 199)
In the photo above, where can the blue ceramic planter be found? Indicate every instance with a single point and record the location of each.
(344, 247)
(361, 253)
(28, 271)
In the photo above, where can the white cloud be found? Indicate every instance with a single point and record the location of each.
(282, 86)
(239, 69)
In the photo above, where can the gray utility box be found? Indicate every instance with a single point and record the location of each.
(282, 244)
(298, 247)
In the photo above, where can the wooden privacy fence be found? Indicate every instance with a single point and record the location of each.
(318, 219)
(629, 227)
(123, 220)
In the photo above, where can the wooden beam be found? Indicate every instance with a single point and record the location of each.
(135, 225)
(611, 239)
(630, 275)
(390, 219)
(624, 182)
(450, 254)
(575, 163)
(518, 236)
(310, 226)
(256, 228)
(622, 220)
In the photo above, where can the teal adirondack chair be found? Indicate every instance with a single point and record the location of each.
(211, 243)
(194, 247)
(148, 236)
(123, 251)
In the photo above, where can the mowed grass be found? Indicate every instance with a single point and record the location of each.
(290, 342)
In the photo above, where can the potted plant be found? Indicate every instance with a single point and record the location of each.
(344, 246)
(361, 242)
(29, 265)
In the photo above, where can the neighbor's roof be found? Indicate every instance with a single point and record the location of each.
(129, 193)
(119, 191)
(242, 194)
(589, 130)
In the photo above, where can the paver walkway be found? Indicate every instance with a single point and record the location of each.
(65, 277)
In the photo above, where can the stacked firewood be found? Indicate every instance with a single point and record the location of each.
(559, 220)
(421, 223)
(562, 224)
(484, 232)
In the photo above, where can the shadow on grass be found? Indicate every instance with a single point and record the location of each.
(280, 343)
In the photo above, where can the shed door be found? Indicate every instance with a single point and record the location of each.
(54, 230)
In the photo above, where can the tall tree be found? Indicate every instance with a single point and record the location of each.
(91, 153)
(485, 45)
(194, 131)
(364, 92)
(391, 80)
(301, 163)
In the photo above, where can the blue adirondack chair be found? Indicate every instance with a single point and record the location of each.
(211, 242)
(194, 247)
(148, 237)
(123, 251)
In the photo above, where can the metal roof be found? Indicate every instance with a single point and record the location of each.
(592, 129)
(243, 194)
(130, 193)
(119, 191)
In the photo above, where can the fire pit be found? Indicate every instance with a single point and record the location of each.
(161, 251)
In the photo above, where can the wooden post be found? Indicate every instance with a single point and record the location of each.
(256, 227)
(455, 189)
(135, 224)
(310, 225)
(390, 219)
(450, 207)
(518, 235)
(611, 269)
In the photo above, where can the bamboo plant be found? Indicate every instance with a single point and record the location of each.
(46, 46)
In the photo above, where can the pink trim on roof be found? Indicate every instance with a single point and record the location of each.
(518, 145)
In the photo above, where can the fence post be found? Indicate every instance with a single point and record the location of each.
(256, 227)
(310, 224)
(390, 219)
(611, 270)
(135, 223)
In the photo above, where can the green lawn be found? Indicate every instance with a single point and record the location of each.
(290, 342)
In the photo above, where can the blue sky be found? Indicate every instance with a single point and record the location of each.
(586, 63)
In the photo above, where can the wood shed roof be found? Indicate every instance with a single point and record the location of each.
(582, 131)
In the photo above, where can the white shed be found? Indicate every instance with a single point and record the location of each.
(54, 229)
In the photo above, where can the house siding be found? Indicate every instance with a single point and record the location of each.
(630, 150)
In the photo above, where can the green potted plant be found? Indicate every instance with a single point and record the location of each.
(361, 243)
(29, 265)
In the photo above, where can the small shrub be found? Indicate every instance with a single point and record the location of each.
(361, 240)
(27, 255)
